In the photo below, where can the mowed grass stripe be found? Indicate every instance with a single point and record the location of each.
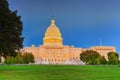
(59, 72)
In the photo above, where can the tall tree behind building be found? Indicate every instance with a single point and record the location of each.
(10, 30)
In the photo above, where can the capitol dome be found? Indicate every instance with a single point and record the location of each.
(52, 35)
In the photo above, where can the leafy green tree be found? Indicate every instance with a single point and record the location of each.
(28, 58)
(10, 30)
(101, 60)
(113, 58)
(89, 56)
(19, 58)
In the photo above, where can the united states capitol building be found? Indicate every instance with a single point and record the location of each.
(54, 52)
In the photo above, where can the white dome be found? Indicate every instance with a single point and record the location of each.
(52, 34)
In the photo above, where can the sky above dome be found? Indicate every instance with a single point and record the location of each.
(83, 23)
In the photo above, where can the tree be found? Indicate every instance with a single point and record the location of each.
(113, 58)
(101, 60)
(28, 58)
(10, 30)
(19, 58)
(89, 56)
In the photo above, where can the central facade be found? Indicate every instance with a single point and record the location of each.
(53, 51)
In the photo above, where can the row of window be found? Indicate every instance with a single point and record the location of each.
(104, 49)
(53, 59)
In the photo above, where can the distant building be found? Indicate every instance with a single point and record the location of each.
(103, 50)
(54, 52)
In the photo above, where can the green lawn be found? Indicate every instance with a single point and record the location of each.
(59, 72)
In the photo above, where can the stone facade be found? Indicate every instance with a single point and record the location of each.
(54, 52)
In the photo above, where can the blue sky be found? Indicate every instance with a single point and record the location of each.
(81, 22)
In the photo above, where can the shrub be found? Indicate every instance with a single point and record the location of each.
(28, 58)
(10, 60)
(113, 58)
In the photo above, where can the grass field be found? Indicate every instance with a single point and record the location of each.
(59, 72)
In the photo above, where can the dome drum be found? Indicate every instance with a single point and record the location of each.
(53, 41)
